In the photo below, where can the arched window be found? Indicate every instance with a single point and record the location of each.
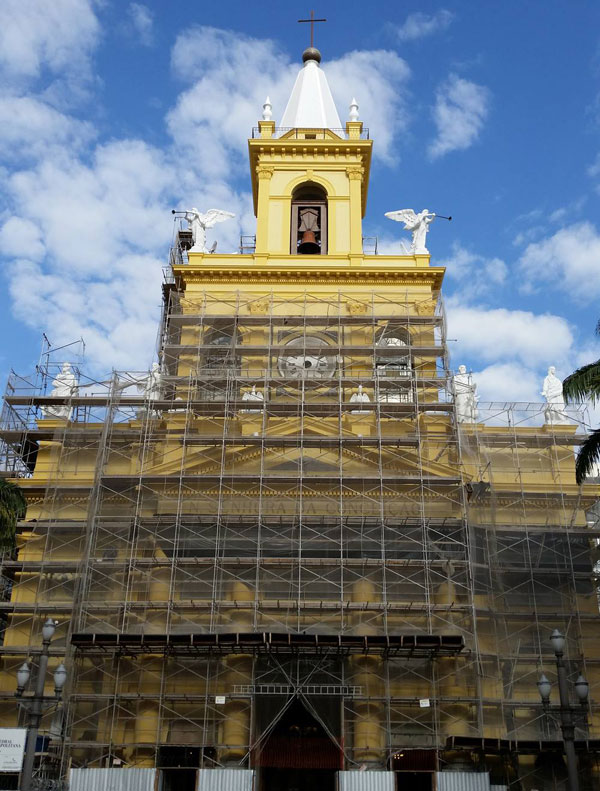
(396, 361)
(309, 220)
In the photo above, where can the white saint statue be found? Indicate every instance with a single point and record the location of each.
(360, 397)
(465, 396)
(418, 224)
(63, 386)
(200, 222)
(552, 391)
(151, 387)
(252, 395)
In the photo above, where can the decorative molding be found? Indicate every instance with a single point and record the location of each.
(259, 307)
(357, 308)
(322, 277)
(264, 171)
(426, 308)
(355, 173)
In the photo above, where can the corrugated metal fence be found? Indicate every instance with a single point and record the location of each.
(112, 779)
(366, 781)
(463, 781)
(225, 779)
(243, 780)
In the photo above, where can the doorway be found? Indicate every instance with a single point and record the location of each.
(178, 780)
(298, 755)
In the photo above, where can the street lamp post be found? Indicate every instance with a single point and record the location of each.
(36, 704)
(566, 710)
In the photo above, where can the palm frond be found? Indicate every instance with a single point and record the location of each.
(583, 384)
(588, 456)
(13, 507)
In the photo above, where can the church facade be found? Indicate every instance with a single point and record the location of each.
(302, 558)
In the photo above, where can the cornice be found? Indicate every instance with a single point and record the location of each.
(429, 276)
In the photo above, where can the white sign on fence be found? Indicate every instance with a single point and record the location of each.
(12, 747)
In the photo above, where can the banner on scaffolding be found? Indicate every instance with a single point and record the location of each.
(12, 748)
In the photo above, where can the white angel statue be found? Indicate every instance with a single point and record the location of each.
(200, 222)
(418, 224)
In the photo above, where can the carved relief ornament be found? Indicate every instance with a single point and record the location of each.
(355, 173)
(264, 171)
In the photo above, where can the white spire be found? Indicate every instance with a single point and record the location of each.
(311, 103)
(267, 110)
(353, 115)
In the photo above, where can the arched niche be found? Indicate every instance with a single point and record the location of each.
(309, 219)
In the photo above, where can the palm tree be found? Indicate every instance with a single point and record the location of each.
(13, 507)
(584, 385)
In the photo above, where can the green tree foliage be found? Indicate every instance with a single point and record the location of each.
(13, 507)
(584, 385)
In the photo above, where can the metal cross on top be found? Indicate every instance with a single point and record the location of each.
(312, 21)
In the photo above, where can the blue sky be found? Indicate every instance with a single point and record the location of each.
(112, 112)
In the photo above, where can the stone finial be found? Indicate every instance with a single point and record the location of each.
(353, 115)
(267, 110)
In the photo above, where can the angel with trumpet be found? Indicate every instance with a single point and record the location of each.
(418, 224)
(199, 223)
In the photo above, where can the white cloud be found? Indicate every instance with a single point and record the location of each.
(143, 22)
(30, 128)
(569, 260)
(18, 235)
(378, 79)
(117, 318)
(418, 25)
(57, 35)
(476, 274)
(90, 241)
(594, 169)
(460, 110)
(509, 381)
(501, 335)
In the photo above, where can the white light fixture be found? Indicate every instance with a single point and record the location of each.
(558, 641)
(60, 677)
(544, 688)
(23, 674)
(48, 630)
(582, 689)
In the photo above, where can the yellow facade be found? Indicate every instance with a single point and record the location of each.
(337, 539)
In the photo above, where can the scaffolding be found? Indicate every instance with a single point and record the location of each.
(298, 515)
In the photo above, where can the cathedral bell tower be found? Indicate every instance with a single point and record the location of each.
(310, 176)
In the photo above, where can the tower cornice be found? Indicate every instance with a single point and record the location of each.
(296, 150)
(370, 270)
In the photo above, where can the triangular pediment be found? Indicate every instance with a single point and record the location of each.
(292, 459)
